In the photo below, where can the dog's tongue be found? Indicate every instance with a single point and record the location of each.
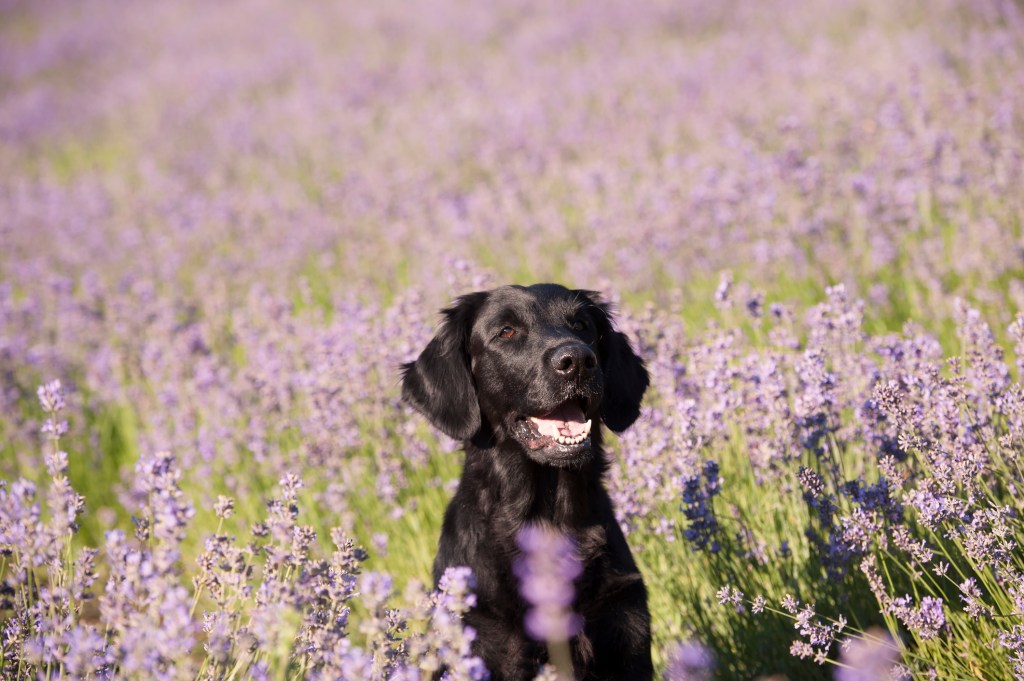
(568, 420)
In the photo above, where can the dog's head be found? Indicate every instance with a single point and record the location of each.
(538, 365)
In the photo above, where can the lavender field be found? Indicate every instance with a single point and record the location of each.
(224, 226)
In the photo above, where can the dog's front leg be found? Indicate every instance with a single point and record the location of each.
(508, 654)
(620, 638)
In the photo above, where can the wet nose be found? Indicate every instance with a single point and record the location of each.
(573, 360)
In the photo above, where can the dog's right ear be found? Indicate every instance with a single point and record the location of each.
(439, 384)
(626, 377)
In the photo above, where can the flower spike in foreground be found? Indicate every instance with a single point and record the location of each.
(546, 571)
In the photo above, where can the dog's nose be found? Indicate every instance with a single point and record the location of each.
(574, 360)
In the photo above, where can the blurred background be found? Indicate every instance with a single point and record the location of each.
(367, 146)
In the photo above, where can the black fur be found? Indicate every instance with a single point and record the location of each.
(478, 382)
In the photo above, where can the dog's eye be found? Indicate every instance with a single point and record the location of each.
(579, 325)
(507, 332)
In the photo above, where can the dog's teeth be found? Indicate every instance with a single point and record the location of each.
(574, 439)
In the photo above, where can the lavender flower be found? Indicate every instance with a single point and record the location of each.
(454, 599)
(690, 661)
(730, 594)
(143, 604)
(971, 596)
(698, 492)
(51, 397)
(1013, 641)
(546, 570)
(869, 657)
(225, 507)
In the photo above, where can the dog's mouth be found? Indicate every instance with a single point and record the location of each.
(563, 432)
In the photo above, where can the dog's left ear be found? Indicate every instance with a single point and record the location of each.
(439, 384)
(625, 375)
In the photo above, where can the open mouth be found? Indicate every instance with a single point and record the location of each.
(566, 425)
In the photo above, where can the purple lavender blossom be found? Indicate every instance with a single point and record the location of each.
(869, 657)
(452, 641)
(689, 661)
(51, 396)
(972, 599)
(144, 605)
(546, 570)
(1013, 641)
(698, 493)
(730, 595)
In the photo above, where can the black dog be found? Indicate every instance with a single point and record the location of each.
(524, 376)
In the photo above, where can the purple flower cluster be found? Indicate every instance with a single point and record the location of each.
(926, 620)
(698, 492)
(446, 643)
(730, 595)
(44, 587)
(270, 596)
(816, 637)
(1013, 641)
(913, 481)
(546, 570)
(870, 657)
(689, 661)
